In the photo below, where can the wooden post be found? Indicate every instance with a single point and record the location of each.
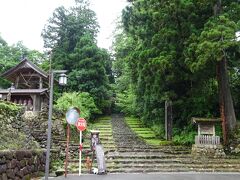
(67, 149)
(17, 82)
(40, 82)
(168, 120)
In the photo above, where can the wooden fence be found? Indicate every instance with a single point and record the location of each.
(207, 139)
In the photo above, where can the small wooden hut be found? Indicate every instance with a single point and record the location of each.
(29, 86)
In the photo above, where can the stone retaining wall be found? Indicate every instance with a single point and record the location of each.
(213, 151)
(21, 164)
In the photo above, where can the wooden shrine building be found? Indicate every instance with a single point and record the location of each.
(29, 86)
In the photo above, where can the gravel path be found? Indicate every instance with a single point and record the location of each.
(124, 136)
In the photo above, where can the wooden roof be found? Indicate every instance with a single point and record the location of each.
(23, 91)
(23, 66)
(205, 120)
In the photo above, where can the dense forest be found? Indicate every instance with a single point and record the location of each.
(184, 51)
(173, 50)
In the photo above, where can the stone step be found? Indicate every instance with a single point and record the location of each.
(169, 164)
(175, 148)
(151, 149)
(180, 169)
(145, 156)
(73, 168)
(104, 125)
(106, 138)
(154, 150)
(108, 129)
(106, 134)
(173, 166)
(173, 160)
(87, 148)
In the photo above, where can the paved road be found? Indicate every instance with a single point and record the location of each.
(160, 176)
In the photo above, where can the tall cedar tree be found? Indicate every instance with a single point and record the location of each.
(169, 58)
(71, 36)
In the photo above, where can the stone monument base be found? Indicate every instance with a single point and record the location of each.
(207, 150)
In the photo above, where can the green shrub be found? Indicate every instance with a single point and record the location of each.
(82, 100)
(8, 107)
(159, 130)
(184, 136)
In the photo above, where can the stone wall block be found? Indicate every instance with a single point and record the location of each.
(20, 155)
(4, 176)
(28, 154)
(25, 170)
(29, 168)
(12, 164)
(22, 163)
(2, 160)
(9, 155)
(16, 169)
(3, 168)
(42, 168)
(10, 173)
(43, 159)
(18, 164)
(30, 161)
(33, 168)
(20, 173)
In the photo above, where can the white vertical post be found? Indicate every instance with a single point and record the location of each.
(80, 154)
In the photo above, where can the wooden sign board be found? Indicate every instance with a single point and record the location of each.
(208, 129)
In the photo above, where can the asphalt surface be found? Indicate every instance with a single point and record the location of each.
(160, 176)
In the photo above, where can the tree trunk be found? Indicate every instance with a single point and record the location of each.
(225, 98)
(226, 103)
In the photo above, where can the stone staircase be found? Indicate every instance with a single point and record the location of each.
(106, 139)
(134, 156)
(127, 153)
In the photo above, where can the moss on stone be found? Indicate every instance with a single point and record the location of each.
(11, 137)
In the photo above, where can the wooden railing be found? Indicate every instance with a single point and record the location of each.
(207, 139)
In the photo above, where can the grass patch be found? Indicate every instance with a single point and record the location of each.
(141, 129)
(145, 133)
(104, 118)
(157, 142)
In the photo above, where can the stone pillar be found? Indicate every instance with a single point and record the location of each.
(36, 102)
(168, 120)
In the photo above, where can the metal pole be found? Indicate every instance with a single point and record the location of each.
(49, 127)
(80, 154)
(67, 149)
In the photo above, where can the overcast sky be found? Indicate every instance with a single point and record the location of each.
(23, 20)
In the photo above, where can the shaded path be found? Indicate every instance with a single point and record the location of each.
(123, 136)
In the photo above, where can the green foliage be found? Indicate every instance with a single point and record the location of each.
(125, 102)
(184, 136)
(9, 108)
(159, 130)
(12, 55)
(168, 50)
(11, 138)
(213, 43)
(71, 35)
(83, 101)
